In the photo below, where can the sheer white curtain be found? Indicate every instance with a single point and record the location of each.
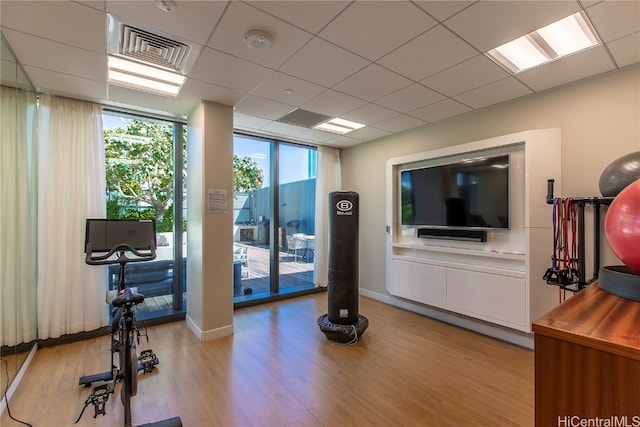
(71, 189)
(18, 192)
(328, 179)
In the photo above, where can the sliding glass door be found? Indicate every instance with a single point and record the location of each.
(296, 212)
(274, 218)
(252, 197)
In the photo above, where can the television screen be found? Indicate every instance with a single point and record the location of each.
(468, 193)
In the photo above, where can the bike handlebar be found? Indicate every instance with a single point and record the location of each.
(122, 249)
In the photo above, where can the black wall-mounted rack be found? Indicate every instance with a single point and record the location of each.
(581, 203)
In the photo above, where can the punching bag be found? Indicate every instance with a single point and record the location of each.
(343, 323)
(343, 283)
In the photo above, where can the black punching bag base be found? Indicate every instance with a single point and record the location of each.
(343, 333)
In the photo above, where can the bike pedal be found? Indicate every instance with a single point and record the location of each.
(148, 360)
(98, 398)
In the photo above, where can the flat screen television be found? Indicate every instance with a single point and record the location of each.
(472, 193)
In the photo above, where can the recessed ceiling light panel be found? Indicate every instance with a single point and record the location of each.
(339, 126)
(569, 35)
(554, 41)
(135, 75)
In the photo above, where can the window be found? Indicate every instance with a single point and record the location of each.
(144, 173)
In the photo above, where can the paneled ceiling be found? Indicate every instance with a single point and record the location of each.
(391, 65)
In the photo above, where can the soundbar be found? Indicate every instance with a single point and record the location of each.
(453, 234)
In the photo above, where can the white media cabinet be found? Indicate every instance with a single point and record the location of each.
(498, 281)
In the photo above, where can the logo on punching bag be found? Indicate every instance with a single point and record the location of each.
(344, 207)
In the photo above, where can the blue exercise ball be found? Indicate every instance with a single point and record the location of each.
(619, 174)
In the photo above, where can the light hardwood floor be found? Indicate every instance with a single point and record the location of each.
(278, 369)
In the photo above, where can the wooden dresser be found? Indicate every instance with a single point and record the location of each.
(587, 361)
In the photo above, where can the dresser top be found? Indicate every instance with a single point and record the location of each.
(596, 319)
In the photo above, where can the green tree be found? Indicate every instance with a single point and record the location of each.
(139, 169)
(246, 175)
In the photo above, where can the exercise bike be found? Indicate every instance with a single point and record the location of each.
(121, 242)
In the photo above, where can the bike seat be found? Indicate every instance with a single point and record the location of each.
(128, 297)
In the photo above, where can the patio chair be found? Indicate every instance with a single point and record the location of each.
(298, 245)
(240, 254)
(290, 245)
(311, 247)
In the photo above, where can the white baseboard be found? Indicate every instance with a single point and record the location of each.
(208, 335)
(505, 334)
(16, 381)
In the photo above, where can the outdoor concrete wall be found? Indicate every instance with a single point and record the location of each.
(297, 203)
(599, 119)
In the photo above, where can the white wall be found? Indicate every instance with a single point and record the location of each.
(599, 119)
(209, 243)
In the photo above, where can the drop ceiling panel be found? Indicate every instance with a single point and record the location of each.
(195, 89)
(470, 74)
(243, 121)
(309, 15)
(489, 24)
(369, 133)
(333, 103)
(284, 129)
(440, 110)
(183, 108)
(409, 98)
(615, 19)
(626, 51)
(240, 18)
(264, 108)
(442, 10)
(75, 24)
(399, 123)
(193, 20)
(493, 93)
(274, 87)
(99, 5)
(415, 59)
(344, 142)
(146, 100)
(373, 29)
(58, 57)
(228, 71)
(54, 83)
(369, 114)
(584, 64)
(589, 3)
(372, 83)
(323, 63)
(317, 136)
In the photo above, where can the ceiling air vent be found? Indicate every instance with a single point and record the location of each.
(304, 118)
(132, 42)
(152, 48)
